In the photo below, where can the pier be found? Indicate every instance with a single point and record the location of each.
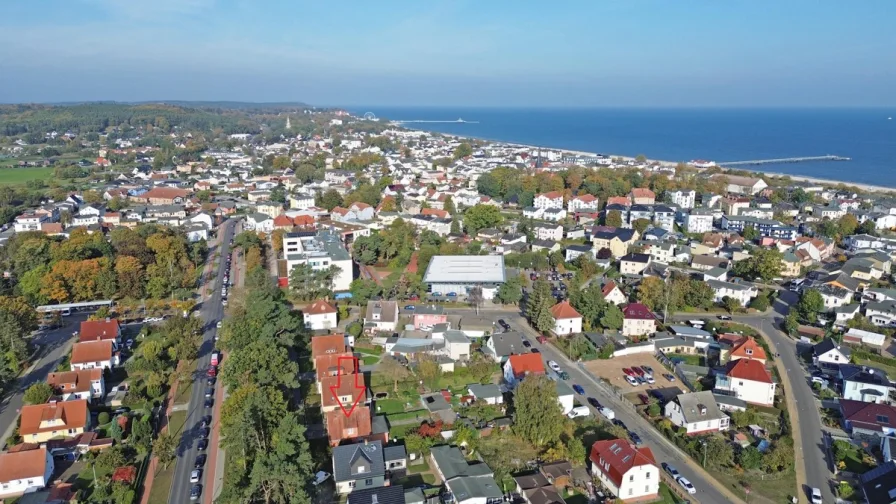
(805, 159)
(458, 120)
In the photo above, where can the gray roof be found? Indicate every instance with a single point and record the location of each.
(693, 403)
(474, 487)
(453, 336)
(508, 343)
(429, 310)
(466, 269)
(879, 484)
(452, 464)
(413, 496)
(349, 460)
(379, 495)
(387, 310)
(480, 391)
(683, 330)
(379, 425)
(730, 401)
(395, 452)
(435, 402)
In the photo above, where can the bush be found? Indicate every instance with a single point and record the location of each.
(103, 418)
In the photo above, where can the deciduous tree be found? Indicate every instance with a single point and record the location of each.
(539, 418)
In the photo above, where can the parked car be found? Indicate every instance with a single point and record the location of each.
(631, 381)
(671, 470)
(219, 324)
(526, 343)
(452, 294)
(608, 414)
(205, 421)
(542, 340)
(688, 487)
(628, 371)
(635, 437)
(644, 399)
(648, 370)
(209, 402)
(211, 380)
(723, 317)
(638, 371)
(578, 388)
(195, 475)
(649, 379)
(209, 392)
(202, 445)
(535, 350)
(204, 432)
(410, 307)
(669, 377)
(563, 375)
(212, 371)
(816, 495)
(320, 477)
(553, 365)
(196, 491)
(619, 423)
(579, 411)
(216, 356)
(504, 325)
(594, 402)
(199, 463)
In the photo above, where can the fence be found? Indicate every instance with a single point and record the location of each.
(676, 369)
(635, 349)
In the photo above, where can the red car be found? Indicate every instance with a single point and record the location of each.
(628, 371)
(638, 371)
(212, 371)
(644, 399)
(542, 340)
(414, 298)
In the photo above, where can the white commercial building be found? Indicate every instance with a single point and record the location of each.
(458, 274)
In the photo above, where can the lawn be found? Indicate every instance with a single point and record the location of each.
(762, 491)
(369, 360)
(667, 495)
(10, 176)
(890, 370)
(400, 431)
(177, 421)
(693, 360)
(375, 352)
(390, 406)
(161, 484)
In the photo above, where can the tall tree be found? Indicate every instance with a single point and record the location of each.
(539, 418)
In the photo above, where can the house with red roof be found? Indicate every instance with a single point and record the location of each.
(868, 419)
(553, 199)
(619, 200)
(520, 366)
(642, 196)
(100, 330)
(320, 315)
(283, 221)
(748, 380)
(637, 320)
(566, 319)
(629, 472)
(744, 348)
(613, 294)
(583, 203)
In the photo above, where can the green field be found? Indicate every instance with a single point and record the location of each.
(10, 176)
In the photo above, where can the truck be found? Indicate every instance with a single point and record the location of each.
(607, 413)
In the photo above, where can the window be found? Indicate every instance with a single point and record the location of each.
(647, 475)
(631, 478)
(630, 491)
(351, 484)
(368, 481)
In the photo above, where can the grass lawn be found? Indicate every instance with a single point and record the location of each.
(418, 466)
(10, 176)
(177, 421)
(890, 370)
(369, 360)
(390, 406)
(762, 491)
(693, 360)
(369, 351)
(400, 431)
(666, 494)
(161, 484)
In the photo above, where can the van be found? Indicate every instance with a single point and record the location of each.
(215, 358)
(697, 323)
(579, 411)
(66, 312)
(607, 413)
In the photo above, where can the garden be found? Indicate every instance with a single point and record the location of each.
(851, 458)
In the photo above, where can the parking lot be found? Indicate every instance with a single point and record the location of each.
(611, 370)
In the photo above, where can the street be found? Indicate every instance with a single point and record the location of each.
(54, 345)
(211, 312)
(663, 449)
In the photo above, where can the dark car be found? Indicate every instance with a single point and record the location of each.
(535, 350)
(619, 423)
(578, 388)
(204, 432)
(196, 491)
(209, 392)
(202, 445)
(211, 380)
(212, 371)
(209, 402)
(526, 343)
(504, 324)
(205, 421)
(594, 402)
(200, 461)
(635, 437)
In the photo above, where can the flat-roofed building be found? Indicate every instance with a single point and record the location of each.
(459, 274)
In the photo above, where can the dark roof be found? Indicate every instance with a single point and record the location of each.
(349, 459)
(828, 344)
(638, 258)
(864, 374)
(396, 452)
(380, 495)
(879, 484)
(623, 234)
(868, 415)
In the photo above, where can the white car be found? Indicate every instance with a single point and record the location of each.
(689, 488)
(816, 496)
(320, 477)
(579, 411)
(195, 475)
(649, 379)
(631, 381)
(553, 365)
(219, 324)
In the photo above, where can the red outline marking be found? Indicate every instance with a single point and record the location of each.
(360, 387)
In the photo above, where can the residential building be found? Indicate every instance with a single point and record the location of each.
(321, 250)
(566, 319)
(381, 316)
(500, 346)
(642, 196)
(638, 320)
(743, 293)
(864, 383)
(427, 317)
(83, 384)
(583, 203)
(41, 422)
(353, 427)
(613, 294)
(379, 495)
(553, 199)
(518, 367)
(320, 315)
(698, 221)
(94, 354)
(747, 380)
(358, 466)
(830, 352)
(696, 413)
(25, 471)
(628, 472)
(548, 232)
(633, 264)
(867, 418)
(683, 198)
(617, 240)
(879, 484)
(100, 330)
(488, 394)
(741, 185)
(331, 344)
(467, 483)
(746, 348)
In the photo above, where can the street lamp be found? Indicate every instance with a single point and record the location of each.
(704, 453)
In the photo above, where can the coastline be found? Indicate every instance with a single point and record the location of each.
(798, 178)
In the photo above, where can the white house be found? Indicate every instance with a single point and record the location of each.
(553, 199)
(259, 222)
(829, 351)
(748, 380)
(301, 201)
(741, 292)
(94, 354)
(683, 198)
(25, 471)
(28, 222)
(320, 315)
(866, 384)
(583, 203)
(381, 316)
(696, 413)
(518, 367)
(698, 221)
(629, 472)
(613, 294)
(548, 232)
(83, 384)
(566, 319)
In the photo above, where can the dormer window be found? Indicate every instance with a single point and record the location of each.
(749, 351)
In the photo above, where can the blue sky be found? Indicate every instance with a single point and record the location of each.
(452, 53)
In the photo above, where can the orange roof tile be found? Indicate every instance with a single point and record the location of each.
(92, 330)
(747, 349)
(551, 195)
(330, 344)
(618, 457)
(319, 307)
(524, 364)
(642, 192)
(91, 351)
(748, 369)
(23, 465)
(564, 310)
(338, 424)
(345, 386)
(330, 364)
(73, 415)
(74, 381)
(619, 200)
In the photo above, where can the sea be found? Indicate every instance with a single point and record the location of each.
(866, 136)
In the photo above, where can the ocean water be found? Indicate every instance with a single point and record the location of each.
(864, 135)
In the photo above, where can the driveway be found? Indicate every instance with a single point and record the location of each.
(54, 345)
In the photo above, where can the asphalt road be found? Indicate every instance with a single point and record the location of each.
(211, 312)
(53, 347)
(663, 449)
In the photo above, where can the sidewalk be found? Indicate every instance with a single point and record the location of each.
(154, 461)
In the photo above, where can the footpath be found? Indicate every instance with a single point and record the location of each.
(153, 468)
